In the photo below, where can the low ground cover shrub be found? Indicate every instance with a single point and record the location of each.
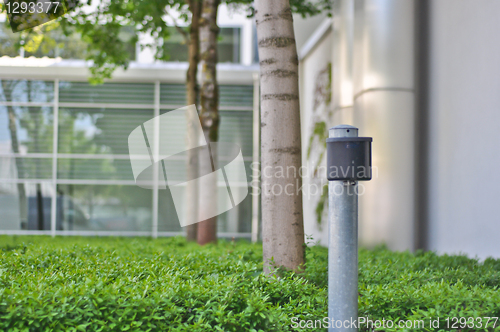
(139, 284)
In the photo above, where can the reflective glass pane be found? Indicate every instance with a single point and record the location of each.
(98, 130)
(118, 93)
(168, 220)
(248, 169)
(236, 95)
(236, 127)
(26, 91)
(26, 129)
(56, 44)
(25, 168)
(72, 46)
(173, 94)
(238, 219)
(105, 208)
(229, 95)
(94, 169)
(8, 40)
(175, 47)
(228, 45)
(25, 206)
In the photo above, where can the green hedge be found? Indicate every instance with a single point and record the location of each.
(132, 284)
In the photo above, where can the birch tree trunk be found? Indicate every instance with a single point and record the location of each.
(209, 116)
(192, 98)
(282, 222)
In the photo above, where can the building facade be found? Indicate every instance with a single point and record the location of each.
(420, 77)
(64, 160)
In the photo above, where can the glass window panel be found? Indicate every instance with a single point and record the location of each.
(173, 94)
(32, 131)
(94, 169)
(229, 95)
(235, 220)
(175, 47)
(8, 40)
(55, 43)
(228, 45)
(236, 95)
(26, 91)
(255, 58)
(25, 206)
(12, 205)
(238, 219)
(236, 127)
(168, 221)
(119, 93)
(248, 169)
(98, 130)
(176, 169)
(25, 168)
(176, 131)
(105, 208)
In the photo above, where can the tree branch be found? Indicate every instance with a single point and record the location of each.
(183, 33)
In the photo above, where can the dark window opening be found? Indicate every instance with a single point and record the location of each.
(228, 45)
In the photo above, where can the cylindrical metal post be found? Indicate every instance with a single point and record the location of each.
(343, 247)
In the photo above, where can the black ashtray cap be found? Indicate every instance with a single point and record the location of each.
(349, 158)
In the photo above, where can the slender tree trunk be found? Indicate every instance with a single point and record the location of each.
(209, 115)
(192, 98)
(71, 188)
(36, 116)
(19, 162)
(282, 222)
(39, 206)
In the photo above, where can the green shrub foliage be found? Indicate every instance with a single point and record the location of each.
(138, 284)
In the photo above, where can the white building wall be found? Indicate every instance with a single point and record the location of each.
(343, 29)
(313, 76)
(304, 27)
(374, 91)
(464, 183)
(374, 88)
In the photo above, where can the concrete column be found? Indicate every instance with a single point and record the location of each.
(381, 66)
